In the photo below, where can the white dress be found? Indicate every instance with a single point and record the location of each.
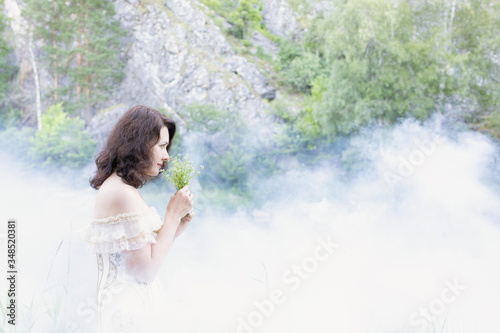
(124, 303)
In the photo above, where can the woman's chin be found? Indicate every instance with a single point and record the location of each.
(153, 173)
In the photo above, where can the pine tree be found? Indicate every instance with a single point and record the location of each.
(97, 38)
(52, 24)
(81, 45)
(7, 70)
(246, 13)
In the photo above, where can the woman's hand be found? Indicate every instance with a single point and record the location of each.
(184, 224)
(180, 204)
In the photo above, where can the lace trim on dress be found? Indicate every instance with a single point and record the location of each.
(126, 231)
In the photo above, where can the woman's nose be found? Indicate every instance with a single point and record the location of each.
(165, 157)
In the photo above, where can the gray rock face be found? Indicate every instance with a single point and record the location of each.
(101, 124)
(268, 46)
(177, 56)
(251, 74)
(280, 19)
(322, 7)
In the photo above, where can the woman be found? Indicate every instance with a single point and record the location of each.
(130, 239)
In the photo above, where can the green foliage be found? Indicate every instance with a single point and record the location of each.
(63, 140)
(224, 164)
(307, 125)
(232, 166)
(98, 34)
(299, 66)
(9, 117)
(299, 133)
(231, 161)
(476, 35)
(281, 109)
(207, 118)
(314, 39)
(221, 7)
(245, 15)
(7, 70)
(302, 71)
(266, 33)
(180, 172)
(490, 124)
(289, 51)
(263, 55)
(213, 4)
(51, 23)
(242, 14)
(81, 48)
(388, 60)
(371, 68)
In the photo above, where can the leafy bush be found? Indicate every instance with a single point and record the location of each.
(245, 16)
(63, 140)
(298, 65)
(288, 52)
(307, 124)
(300, 131)
(385, 60)
(263, 55)
(490, 124)
(302, 71)
(221, 134)
(242, 15)
(231, 160)
(207, 118)
(7, 70)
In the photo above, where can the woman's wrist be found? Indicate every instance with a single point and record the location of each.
(171, 217)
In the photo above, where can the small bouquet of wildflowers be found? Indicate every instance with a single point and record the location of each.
(181, 172)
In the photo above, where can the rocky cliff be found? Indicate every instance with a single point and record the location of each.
(176, 55)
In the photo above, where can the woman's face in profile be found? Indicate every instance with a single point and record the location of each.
(159, 152)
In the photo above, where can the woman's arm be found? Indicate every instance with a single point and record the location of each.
(145, 263)
(183, 224)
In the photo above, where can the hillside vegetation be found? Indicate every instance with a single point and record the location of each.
(362, 63)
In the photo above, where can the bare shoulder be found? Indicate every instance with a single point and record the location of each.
(115, 197)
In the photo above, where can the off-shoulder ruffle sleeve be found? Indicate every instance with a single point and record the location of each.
(127, 231)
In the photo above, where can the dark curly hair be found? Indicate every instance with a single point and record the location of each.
(128, 148)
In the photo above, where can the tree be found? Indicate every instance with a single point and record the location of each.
(81, 45)
(7, 70)
(476, 36)
(302, 70)
(97, 36)
(246, 13)
(395, 59)
(63, 140)
(52, 23)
